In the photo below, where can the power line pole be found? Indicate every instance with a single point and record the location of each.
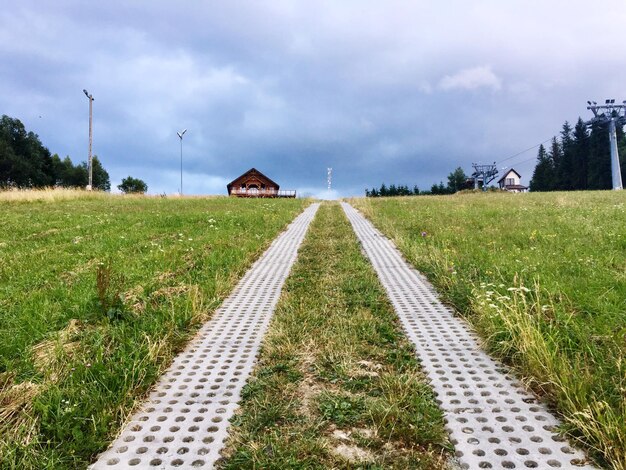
(486, 173)
(180, 136)
(613, 115)
(90, 185)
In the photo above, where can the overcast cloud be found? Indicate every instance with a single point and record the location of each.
(397, 91)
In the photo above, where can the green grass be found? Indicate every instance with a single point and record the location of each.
(337, 384)
(543, 279)
(97, 293)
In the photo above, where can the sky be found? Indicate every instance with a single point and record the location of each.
(400, 92)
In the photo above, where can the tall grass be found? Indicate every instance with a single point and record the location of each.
(543, 278)
(49, 194)
(97, 293)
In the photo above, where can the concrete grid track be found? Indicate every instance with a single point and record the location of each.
(492, 420)
(184, 422)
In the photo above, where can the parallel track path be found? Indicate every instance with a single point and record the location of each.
(184, 422)
(492, 420)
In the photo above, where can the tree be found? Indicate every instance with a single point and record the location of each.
(556, 156)
(543, 176)
(580, 155)
(439, 189)
(599, 171)
(456, 180)
(99, 176)
(135, 185)
(24, 161)
(564, 172)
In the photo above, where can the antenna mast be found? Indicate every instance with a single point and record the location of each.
(329, 172)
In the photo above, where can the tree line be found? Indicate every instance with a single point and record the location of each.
(579, 159)
(26, 163)
(457, 180)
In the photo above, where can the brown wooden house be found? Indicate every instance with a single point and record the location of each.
(253, 183)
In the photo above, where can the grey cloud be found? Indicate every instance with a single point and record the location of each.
(399, 91)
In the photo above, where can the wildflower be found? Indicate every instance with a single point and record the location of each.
(424, 234)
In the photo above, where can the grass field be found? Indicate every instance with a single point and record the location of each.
(337, 384)
(543, 279)
(97, 292)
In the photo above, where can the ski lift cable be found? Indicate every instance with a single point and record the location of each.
(524, 151)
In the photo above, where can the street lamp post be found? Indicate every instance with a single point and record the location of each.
(180, 136)
(89, 186)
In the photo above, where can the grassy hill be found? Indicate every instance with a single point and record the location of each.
(542, 277)
(97, 292)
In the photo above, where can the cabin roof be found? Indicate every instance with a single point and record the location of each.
(507, 174)
(251, 172)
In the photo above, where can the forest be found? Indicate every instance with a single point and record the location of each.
(579, 159)
(26, 163)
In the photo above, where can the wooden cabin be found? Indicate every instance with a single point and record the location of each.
(253, 183)
(511, 182)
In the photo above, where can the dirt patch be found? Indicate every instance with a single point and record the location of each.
(308, 390)
(169, 292)
(16, 403)
(366, 369)
(47, 354)
(134, 300)
(352, 453)
(70, 277)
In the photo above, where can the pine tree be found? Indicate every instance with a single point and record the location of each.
(556, 156)
(599, 172)
(456, 180)
(565, 170)
(580, 156)
(543, 176)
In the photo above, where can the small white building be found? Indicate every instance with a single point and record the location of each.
(511, 181)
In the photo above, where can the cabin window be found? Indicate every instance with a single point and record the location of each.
(510, 181)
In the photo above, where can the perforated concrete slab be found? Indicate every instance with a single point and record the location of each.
(492, 420)
(184, 422)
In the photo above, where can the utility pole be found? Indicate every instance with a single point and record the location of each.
(329, 178)
(485, 172)
(180, 136)
(613, 115)
(90, 185)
